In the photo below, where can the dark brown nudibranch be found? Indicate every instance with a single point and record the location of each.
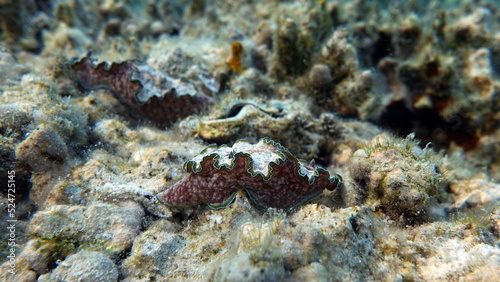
(271, 176)
(148, 93)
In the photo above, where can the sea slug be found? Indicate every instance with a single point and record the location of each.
(269, 174)
(148, 93)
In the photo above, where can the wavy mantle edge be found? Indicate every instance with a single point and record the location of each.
(190, 166)
(107, 66)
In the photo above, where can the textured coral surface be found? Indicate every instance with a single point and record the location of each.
(401, 98)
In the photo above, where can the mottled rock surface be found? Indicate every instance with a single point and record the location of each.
(84, 266)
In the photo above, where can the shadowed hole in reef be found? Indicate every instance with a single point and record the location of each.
(180, 217)
(429, 126)
(373, 47)
(354, 224)
(323, 157)
(122, 255)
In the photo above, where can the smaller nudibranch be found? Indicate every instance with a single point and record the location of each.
(270, 175)
(148, 93)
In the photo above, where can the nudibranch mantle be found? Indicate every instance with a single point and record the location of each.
(149, 93)
(268, 172)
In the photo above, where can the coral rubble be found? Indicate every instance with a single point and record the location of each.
(401, 98)
(403, 179)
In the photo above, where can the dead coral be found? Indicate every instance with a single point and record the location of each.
(399, 177)
(291, 51)
(257, 256)
(344, 88)
(43, 149)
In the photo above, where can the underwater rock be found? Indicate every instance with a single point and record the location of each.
(441, 250)
(335, 80)
(440, 80)
(148, 93)
(408, 36)
(22, 22)
(33, 260)
(68, 39)
(441, 62)
(353, 96)
(243, 267)
(13, 121)
(154, 251)
(456, 252)
(320, 76)
(43, 149)
(258, 257)
(112, 192)
(312, 272)
(114, 133)
(477, 192)
(263, 42)
(399, 177)
(268, 172)
(10, 69)
(470, 30)
(84, 266)
(439, 104)
(339, 55)
(479, 72)
(348, 232)
(101, 227)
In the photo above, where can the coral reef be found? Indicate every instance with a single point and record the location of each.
(436, 87)
(270, 175)
(401, 98)
(155, 249)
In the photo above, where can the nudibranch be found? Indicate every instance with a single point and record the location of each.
(270, 175)
(147, 92)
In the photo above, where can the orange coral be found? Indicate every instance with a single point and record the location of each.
(236, 53)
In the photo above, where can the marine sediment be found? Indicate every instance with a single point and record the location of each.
(402, 100)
